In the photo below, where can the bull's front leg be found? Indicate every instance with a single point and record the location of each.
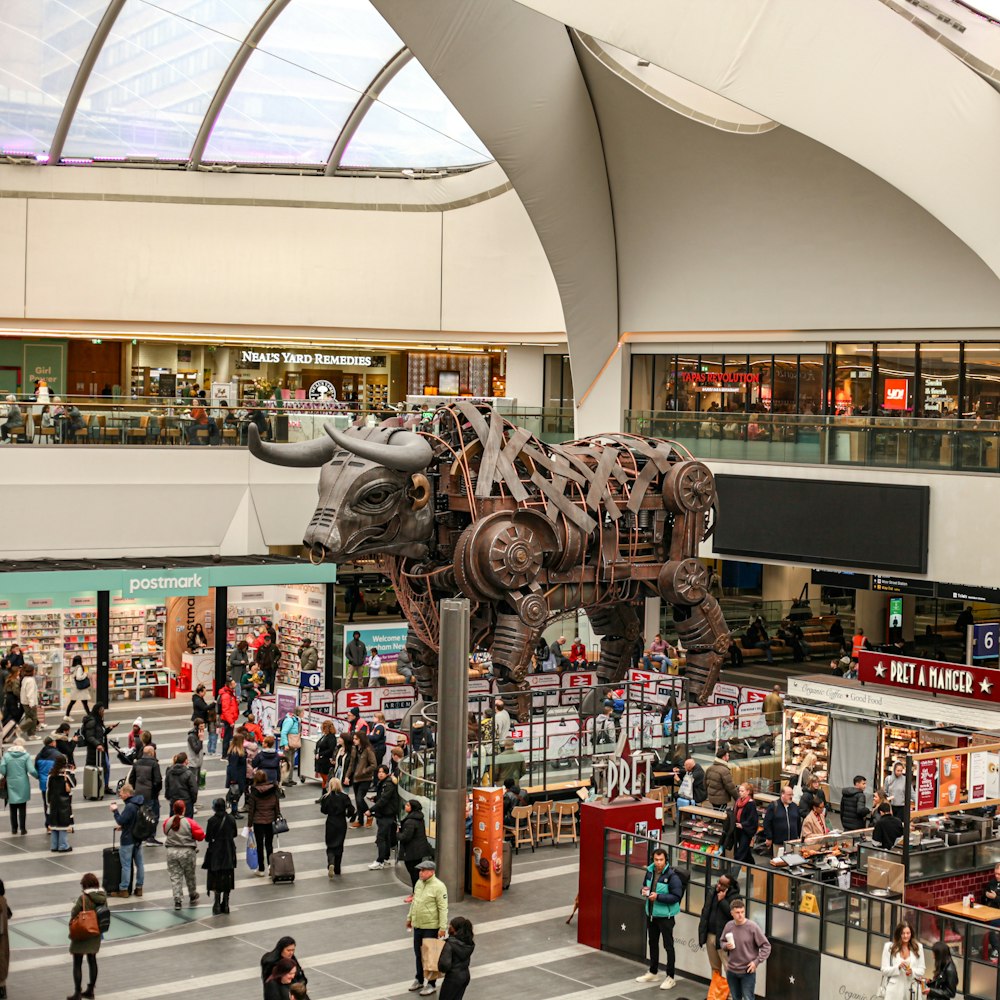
(513, 644)
(618, 626)
(425, 666)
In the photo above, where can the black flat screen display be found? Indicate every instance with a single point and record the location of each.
(877, 526)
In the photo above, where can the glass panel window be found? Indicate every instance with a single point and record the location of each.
(686, 384)
(413, 124)
(641, 397)
(982, 382)
(762, 391)
(937, 392)
(811, 369)
(709, 397)
(663, 383)
(41, 45)
(735, 386)
(852, 384)
(558, 389)
(896, 387)
(297, 89)
(155, 77)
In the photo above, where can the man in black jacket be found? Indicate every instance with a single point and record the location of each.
(852, 805)
(991, 897)
(782, 821)
(146, 779)
(267, 657)
(95, 735)
(691, 785)
(714, 917)
(887, 829)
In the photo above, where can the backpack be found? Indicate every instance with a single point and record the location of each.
(103, 917)
(144, 824)
(684, 874)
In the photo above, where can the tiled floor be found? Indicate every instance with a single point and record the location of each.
(351, 935)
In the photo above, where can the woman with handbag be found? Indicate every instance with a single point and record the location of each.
(83, 922)
(326, 748)
(236, 773)
(220, 855)
(337, 808)
(289, 741)
(262, 811)
(944, 985)
(360, 772)
(81, 685)
(902, 963)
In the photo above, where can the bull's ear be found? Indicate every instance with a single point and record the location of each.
(419, 491)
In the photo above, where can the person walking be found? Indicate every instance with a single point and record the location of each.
(903, 963)
(236, 773)
(774, 708)
(413, 842)
(719, 784)
(662, 890)
(455, 957)
(131, 846)
(29, 703)
(326, 748)
(239, 660)
(782, 821)
(268, 761)
(59, 799)
(17, 766)
(276, 986)
(181, 836)
(289, 741)
(427, 918)
(262, 810)
(5, 915)
(91, 897)
(81, 688)
(385, 810)
(199, 706)
(746, 948)
(747, 822)
(229, 713)
(95, 734)
(355, 654)
(377, 738)
(180, 783)
(715, 914)
(196, 754)
(283, 951)
(337, 808)
(360, 772)
(12, 710)
(220, 855)
(146, 779)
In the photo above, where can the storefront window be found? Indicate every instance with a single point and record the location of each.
(939, 380)
(811, 381)
(852, 382)
(686, 384)
(761, 392)
(896, 380)
(982, 381)
(710, 398)
(735, 387)
(558, 381)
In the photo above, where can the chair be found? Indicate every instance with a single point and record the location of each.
(172, 433)
(18, 434)
(229, 434)
(541, 813)
(202, 435)
(81, 433)
(140, 433)
(48, 433)
(566, 823)
(521, 830)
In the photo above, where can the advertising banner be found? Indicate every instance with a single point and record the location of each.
(388, 638)
(930, 676)
(545, 689)
(949, 780)
(573, 685)
(487, 843)
(927, 771)
(394, 701)
(984, 776)
(183, 613)
(46, 362)
(286, 698)
(653, 688)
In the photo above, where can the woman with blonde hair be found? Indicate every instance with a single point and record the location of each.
(338, 809)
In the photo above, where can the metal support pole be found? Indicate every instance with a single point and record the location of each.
(103, 646)
(452, 745)
(221, 653)
(331, 613)
(907, 803)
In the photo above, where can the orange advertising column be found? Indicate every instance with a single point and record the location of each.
(487, 843)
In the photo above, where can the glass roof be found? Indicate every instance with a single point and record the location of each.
(157, 73)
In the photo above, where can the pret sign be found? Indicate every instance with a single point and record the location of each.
(930, 676)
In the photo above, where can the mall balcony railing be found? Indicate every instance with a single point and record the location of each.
(156, 421)
(882, 442)
(823, 914)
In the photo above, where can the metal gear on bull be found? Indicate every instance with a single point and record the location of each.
(527, 530)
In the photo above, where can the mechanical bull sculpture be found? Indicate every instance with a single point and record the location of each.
(471, 504)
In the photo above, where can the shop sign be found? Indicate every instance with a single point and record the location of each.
(307, 358)
(323, 389)
(726, 694)
(984, 776)
(845, 581)
(930, 676)
(926, 784)
(157, 583)
(702, 378)
(897, 391)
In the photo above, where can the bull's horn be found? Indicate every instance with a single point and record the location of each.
(405, 451)
(301, 455)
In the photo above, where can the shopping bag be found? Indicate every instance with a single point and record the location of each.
(245, 832)
(430, 952)
(252, 852)
(202, 779)
(718, 988)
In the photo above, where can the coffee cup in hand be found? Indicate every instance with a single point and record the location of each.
(731, 940)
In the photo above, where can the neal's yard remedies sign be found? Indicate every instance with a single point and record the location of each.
(928, 676)
(308, 358)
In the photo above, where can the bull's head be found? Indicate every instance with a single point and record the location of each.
(374, 498)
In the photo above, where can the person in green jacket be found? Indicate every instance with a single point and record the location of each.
(15, 767)
(427, 918)
(91, 896)
(662, 889)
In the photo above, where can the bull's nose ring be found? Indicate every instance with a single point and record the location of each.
(317, 553)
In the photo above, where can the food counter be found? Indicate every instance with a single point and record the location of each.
(806, 731)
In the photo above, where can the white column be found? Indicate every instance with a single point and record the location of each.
(600, 408)
(525, 375)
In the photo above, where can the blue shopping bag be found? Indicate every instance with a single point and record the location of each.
(251, 852)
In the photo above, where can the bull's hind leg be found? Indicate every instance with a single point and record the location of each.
(513, 644)
(618, 626)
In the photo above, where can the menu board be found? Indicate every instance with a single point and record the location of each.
(487, 842)
(950, 780)
(926, 784)
(984, 776)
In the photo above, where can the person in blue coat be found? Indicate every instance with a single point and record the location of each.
(662, 889)
(44, 761)
(16, 767)
(131, 848)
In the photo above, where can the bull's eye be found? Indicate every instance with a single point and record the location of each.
(377, 499)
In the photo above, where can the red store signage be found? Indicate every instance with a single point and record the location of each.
(930, 676)
(742, 378)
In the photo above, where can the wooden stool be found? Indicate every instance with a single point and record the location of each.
(566, 822)
(542, 814)
(521, 830)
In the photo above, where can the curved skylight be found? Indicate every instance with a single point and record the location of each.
(285, 98)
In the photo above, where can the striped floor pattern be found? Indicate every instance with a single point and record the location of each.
(350, 933)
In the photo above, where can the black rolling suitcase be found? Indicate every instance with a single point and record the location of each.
(111, 878)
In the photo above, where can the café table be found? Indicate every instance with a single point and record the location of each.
(975, 912)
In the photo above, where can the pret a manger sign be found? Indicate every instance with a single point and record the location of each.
(930, 676)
